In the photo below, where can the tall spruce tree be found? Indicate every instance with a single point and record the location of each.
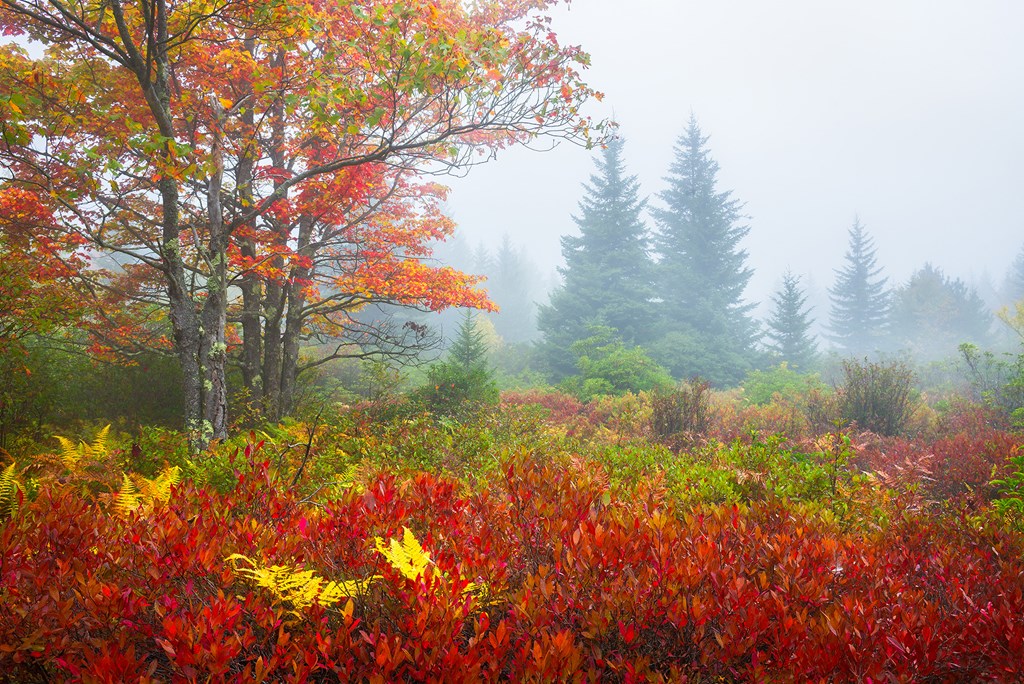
(860, 300)
(789, 326)
(706, 326)
(607, 272)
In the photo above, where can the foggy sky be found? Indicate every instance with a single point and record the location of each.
(908, 113)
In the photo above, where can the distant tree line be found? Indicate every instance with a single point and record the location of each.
(641, 304)
(929, 316)
(674, 293)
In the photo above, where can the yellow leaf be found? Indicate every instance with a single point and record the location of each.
(127, 497)
(408, 557)
(300, 588)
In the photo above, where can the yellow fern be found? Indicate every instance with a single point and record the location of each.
(410, 559)
(99, 442)
(407, 556)
(71, 453)
(128, 498)
(9, 488)
(138, 491)
(159, 488)
(299, 588)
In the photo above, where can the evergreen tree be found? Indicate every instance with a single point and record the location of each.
(468, 349)
(465, 380)
(1013, 288)
(789, 325)
(702, 272)
(483, 262)
(513, 286)
(933, 314)
(860, 301)
(607, 272)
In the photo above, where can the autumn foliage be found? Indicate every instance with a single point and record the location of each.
(251, 175)
(550, 567)
(37, 287)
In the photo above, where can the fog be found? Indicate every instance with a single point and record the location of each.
(908, 114)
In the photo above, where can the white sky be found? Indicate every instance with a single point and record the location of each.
(909, 113)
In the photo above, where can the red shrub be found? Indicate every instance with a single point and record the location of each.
(561, 408)
(572, 583)
(959, 467)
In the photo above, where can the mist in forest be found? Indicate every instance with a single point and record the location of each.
(903, 117)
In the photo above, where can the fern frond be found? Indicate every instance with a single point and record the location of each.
(9, 488)
(70, 453)
(159, 488)
(99, 443)
(408, 557)
(300, 588)
(128, 498)
(333, 592)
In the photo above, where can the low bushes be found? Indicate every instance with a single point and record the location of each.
(559, 542)
(543, 573)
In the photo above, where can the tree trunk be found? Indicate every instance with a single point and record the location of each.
(185, 324)
(252, 337)
(213, 357)
(289, 363)
(249, 283)
(272, 346)
(274, 293)
(212, 342)
(198, 339)
(294, 317)
(185, 327)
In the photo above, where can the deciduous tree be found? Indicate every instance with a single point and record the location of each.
(207, 146)
(37, 289)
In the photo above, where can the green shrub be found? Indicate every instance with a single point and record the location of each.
(1011, 488)
(876, 395)
(760, 387)
(453, 390)
(683, 411)
(996, 380)
(607, 366)
(464, 382)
